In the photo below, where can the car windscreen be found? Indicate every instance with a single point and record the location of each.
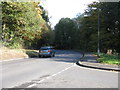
(45, 49)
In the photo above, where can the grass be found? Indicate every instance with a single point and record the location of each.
(32, 53)
(7, 54)
(109, 59)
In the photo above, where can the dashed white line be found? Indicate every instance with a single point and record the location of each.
(32, 85)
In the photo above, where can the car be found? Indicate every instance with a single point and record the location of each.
(46, 51)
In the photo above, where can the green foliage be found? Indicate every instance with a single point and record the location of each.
(109, 59)
(83, 30)
(44, 14)
(65, 33)
(31, 53)
(109, 27)
(22, 24)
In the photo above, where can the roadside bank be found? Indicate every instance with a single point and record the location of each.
(9, 54)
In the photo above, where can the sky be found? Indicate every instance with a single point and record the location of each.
(58, 9)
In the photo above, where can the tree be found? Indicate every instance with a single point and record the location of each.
(64, 33)
(44, 14)
(109, 32)
(22, 24)
(82, 32)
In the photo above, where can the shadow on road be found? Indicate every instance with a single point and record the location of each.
(67, 57)
(60, 56)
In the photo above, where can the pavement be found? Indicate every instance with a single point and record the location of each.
(90, 61)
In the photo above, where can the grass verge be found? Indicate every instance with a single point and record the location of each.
(7, 54)
(32, 53)
(109, 59)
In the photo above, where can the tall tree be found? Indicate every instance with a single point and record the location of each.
(64, 33)
(107, 13)
(22, 24)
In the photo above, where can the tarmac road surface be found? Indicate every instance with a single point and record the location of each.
(60, 71)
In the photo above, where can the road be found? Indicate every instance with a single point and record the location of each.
(56, 72)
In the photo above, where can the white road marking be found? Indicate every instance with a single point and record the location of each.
(32, 85)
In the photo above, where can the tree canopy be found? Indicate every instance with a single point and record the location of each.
(24, 24)
(84, 28)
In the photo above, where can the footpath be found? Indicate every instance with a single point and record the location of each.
(90, 61)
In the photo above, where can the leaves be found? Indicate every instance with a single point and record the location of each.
(84, 28)
(64, 33)
(22, 23)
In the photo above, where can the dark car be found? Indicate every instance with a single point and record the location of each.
(47, 51)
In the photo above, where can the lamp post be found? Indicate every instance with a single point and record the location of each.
(98, 49)
(98, 31)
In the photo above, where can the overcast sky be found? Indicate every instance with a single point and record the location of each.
(64, 8)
